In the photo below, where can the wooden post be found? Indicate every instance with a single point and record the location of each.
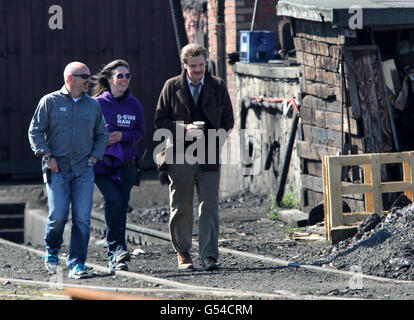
(335, 192)
(369, 200)
(376, 183)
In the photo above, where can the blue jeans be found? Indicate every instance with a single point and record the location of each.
(116, 197)
(66, 188)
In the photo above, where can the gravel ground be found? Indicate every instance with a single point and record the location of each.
(245, 226)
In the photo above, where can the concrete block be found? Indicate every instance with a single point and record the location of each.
(293, 217)
(35, 227)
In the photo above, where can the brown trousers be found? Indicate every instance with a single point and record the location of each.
(183, 178)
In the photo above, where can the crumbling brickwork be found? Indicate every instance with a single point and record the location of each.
(324, 119)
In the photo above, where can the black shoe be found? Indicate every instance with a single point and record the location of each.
(210, 264)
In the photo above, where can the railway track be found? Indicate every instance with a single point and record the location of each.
(143, 235)
(171, 287)
(167, 287)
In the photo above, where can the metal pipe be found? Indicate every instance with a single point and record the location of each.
(286, 163)
(178, 23)
(254, 15)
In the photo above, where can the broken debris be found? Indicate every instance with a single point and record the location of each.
(383, 245)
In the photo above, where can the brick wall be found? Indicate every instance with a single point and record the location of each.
(237, 16)
(318, 50)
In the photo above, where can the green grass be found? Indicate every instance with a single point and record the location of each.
(289, 200)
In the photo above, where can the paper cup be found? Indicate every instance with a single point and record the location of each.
(199, 124)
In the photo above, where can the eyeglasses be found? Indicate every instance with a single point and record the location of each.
(83, 76)
(121, 76)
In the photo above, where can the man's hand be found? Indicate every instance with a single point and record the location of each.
(194, 131)
(114, 137)
(52, 165)
(92, 161)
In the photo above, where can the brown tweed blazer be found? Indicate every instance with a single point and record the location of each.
(174, 105)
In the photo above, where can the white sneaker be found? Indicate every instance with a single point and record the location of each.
(78, 271)
(51, 259)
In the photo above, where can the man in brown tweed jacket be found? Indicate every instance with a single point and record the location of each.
(191, 106)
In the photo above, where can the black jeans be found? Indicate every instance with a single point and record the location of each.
(116, 197)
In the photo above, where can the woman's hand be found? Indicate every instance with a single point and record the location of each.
(114, 137)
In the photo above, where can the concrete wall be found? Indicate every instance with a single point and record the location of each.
(272, 81)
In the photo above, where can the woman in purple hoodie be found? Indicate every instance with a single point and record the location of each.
(115, 174)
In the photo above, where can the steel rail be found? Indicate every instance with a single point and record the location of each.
(177, 287)
(165, 236)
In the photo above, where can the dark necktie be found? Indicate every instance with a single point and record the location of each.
(196, 92)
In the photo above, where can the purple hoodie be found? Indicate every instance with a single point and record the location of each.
(126, 116)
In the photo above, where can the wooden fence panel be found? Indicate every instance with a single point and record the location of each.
(33, 56)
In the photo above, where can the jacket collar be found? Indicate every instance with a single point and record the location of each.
(66, 93)
(208, 89)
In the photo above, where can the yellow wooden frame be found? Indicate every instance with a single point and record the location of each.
(372, 188)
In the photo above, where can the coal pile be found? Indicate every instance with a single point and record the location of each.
(383, 245)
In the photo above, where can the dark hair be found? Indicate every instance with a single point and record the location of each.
(101, 83)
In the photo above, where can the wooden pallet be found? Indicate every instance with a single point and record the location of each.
(372, 188)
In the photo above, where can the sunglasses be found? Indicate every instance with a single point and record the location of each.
(121, 76)
(83, 76)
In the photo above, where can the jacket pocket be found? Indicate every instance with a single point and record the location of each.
(60, 112)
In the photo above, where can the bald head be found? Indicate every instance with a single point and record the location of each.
(75, 82)
(74, 68)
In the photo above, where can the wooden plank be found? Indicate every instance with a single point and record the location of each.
(384, 187)
(356, 188)
(105, 31)
(77, 24)
(322, 136)
(352, 88)
(313, 167)
(335, 204)
(333, 121)
(354, 217)
(39, 58)
(92, 58)
(408, 175)
(24, 108)
(376, 183)
(314, 151)
(395, 186)
(391, 77)
(119, 25)
(384, 158)
(66, 37)
(326, 197)
(396, 157)
(407, 178)
(369, 200)
(14, 83)
(133, 31)
(354, 160)
(5, 110)
(410, 194)
(313, 183)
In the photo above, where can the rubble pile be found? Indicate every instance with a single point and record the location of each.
(383, 245)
